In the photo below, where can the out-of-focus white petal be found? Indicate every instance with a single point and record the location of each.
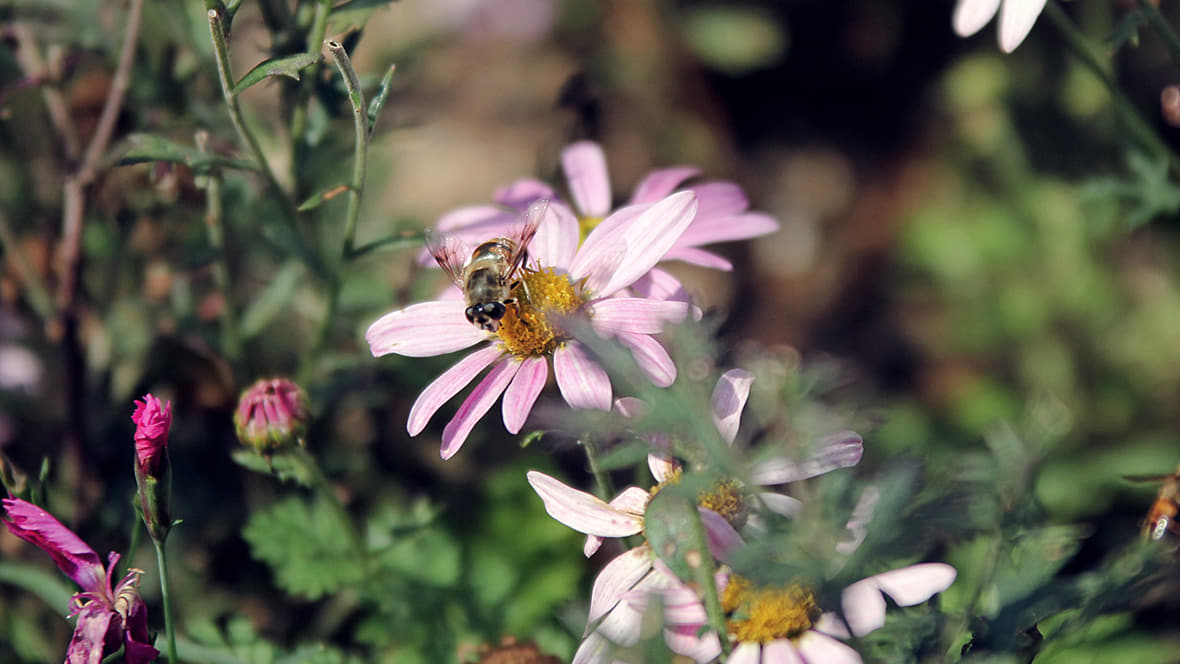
(661, 466)
(971, 15)
(858, 523)
(839, 450)
(780, 651)
(746, 652)
(917, 583)
(585, 170)
(448, 385)
(652, 358)
(780, 504)
(722, 537)
(423, 330)
(1016, 20)
(523, 391)
(616, 578)
(659, 184)
(863, 606)
(829, 623)
(522, 193)
(581, 511)
(729, 398)
(683, 640)
(701, 257)
(816, 648)
(594, 650)
(476, 405)
(583, 383)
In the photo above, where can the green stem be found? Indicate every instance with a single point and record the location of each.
(231, 343)
(602, 481)
(315, 37)
(704, 573)
(1139, 128)
(323, 487)
(361, 148)
(166, 598)
(1162, 28)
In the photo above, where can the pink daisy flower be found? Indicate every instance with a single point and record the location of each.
(108, 619)
(722, 215)
(778, 625)
(565, 280)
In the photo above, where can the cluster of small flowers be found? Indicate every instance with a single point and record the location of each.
(599, 265)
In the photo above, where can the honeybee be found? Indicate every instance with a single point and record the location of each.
(487, 275)
(1162, 516)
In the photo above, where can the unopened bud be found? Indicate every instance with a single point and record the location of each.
(153, 420)
(272, 414)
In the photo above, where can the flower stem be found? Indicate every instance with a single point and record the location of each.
(704, 573)
(213, 222)
(315, 37)
(602, 481)
(361, 149)
(166, 598)
(1162, 29)
(1139, 128)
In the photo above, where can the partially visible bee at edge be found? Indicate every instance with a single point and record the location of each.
(487, 275)
(1162, 516)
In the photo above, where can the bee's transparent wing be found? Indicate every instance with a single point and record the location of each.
(522, 234)
(450, 253)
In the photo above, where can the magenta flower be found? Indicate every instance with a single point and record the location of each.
(722, 215)
(107, 619)
(773, 625)
(565, 281)
(152, 470)
(152, 421)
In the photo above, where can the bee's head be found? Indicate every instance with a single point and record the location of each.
(486, 316)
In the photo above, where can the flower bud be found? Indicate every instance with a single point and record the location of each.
(152, 470)
(272, 414)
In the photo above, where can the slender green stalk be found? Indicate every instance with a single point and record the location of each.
(1162, 28)
(315, 37)
(166, 598)
(1139, 128)
(602, 481)
(704, 572)
(231, 343)
(361, 149)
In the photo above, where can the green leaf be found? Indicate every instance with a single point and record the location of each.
(322, 197)
(274, 298)
(353, 14)
(306, 546)
(288, 66)
(139, 148)
(49, 587)
(379, 100)
(734, 39)
(671, 522)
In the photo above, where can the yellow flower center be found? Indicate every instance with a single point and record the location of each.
(585, 225)
(727, 499)
(761, 615)
(526, 329)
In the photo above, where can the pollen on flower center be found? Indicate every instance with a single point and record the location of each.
(762, 615)
(526, 329)
(727, 499)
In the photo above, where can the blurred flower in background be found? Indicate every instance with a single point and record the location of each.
(273, 413)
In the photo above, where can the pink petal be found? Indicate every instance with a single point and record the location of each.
(816, 648)
(723, 539)
(780, 651)
(829, 623)
(1016, 20)
(719, 199)
(604, 248)
(917, 583)
(707, 230)
(684, 641)
(699, 257)
(523, 391)
(524, 192)
(616, 578)
(780, 504)
(636, 315)
(660, 285)
(746, 652)
(632, 500)
(839, 450)
(474, 216)
(583, 383)
(650, 236)
(476, 405)
(659, 184)
(94, 620)
(584, 164)
(448, 385)
(971, 15)
(556, 241)
(582, 511)
(74, 557)
(630, 406)
(863, 606)
(729, 398)
(423, 330)
(661, 466)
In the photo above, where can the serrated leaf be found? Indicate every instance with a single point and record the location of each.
(288, 66)
(322, 197)
(306, 546)
(140, 148)
(275, 297)
(379, 100)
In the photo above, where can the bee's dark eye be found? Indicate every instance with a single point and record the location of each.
(494, 310)
(470, 313)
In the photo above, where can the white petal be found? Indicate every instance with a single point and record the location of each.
(817, 648)
(971, 15)
(729, 398)
(616, 578)
(917, 583)
(1016, 20)
(581, 511)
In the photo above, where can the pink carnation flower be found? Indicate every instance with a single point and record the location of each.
(153, 419)
(107, 619)
(565, 280)
(722, 215)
